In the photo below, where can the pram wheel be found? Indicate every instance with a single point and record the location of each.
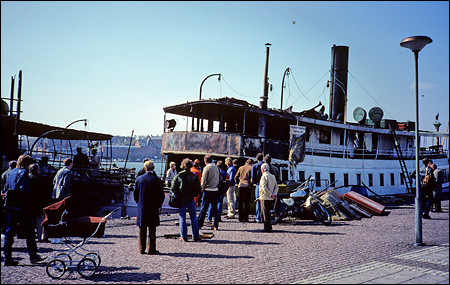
(87, 267)
(55, 268)
(94, 256)
(65, 257)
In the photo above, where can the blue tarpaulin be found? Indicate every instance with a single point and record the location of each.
(360, 190)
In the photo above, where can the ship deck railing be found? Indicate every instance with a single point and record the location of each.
(362, 153)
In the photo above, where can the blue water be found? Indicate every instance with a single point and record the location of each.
(159, 167)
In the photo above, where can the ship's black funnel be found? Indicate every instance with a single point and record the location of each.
(340, 72)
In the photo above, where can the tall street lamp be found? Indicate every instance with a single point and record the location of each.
(200, 95)
(415, 44)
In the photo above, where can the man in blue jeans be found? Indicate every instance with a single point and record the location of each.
(209, 183)
(188, 187)
(256, 177)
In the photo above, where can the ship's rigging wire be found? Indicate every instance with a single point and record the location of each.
(235, 90)
(303, 94)
(384, 109)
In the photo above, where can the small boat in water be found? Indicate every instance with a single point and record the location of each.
(373, 153)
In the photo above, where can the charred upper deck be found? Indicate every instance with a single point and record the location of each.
(243, 129)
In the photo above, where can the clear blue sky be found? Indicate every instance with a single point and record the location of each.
(118, 64)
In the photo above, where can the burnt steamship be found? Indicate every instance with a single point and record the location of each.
(374, 152)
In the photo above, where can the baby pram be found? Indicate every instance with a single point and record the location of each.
(58, 223)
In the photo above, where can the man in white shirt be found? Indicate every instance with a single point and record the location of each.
(268, 189)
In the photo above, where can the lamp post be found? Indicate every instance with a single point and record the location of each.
(57, 130)
(415, 44)
(200, 95)
(85, 123)
(286, 72)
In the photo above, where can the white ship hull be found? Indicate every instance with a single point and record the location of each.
(386, 176)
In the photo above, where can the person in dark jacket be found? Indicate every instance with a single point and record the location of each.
(80, 162)
(17, 205)
(256, 177)
(142, 170)
(12, 165)
(41, 197)
(272, 168)
(188, 186)
(149, 196)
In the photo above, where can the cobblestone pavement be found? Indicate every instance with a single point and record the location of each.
(375, 250)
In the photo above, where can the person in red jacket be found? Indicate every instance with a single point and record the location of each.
(197, 171)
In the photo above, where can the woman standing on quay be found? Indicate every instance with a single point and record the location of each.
(188, 187)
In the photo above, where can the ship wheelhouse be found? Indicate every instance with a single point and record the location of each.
(227, 127)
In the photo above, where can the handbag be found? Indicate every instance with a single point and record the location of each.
(223, 186)
(174, 199)
(429, 182)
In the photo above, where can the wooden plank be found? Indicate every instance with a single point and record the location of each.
(363, 213)
(329, 200)
(365, 203)
(344, 206)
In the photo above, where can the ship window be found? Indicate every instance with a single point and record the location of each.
(358, 179)
(392, 179)
(301, 176)
(332, 178)
(370, 179)
(325, 136)
(381, 179)
(318, 184)
(284, 174)
(345, 179)
(251, 123)
(402, 179)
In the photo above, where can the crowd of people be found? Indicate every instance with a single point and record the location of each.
(195, 185)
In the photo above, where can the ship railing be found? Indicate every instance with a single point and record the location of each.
(432, 151)
(363, 153)
(360, 153)
(329, 150)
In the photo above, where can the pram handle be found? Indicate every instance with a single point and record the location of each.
(110, 214)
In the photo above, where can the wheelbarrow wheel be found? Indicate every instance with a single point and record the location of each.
(55, 268)
(94, 256)
(87, 267)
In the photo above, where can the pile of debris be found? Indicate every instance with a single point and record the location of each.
(350, 206)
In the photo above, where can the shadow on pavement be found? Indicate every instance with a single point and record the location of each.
(204, 255)
(278, 230)
(249, 242)
(126, 277)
